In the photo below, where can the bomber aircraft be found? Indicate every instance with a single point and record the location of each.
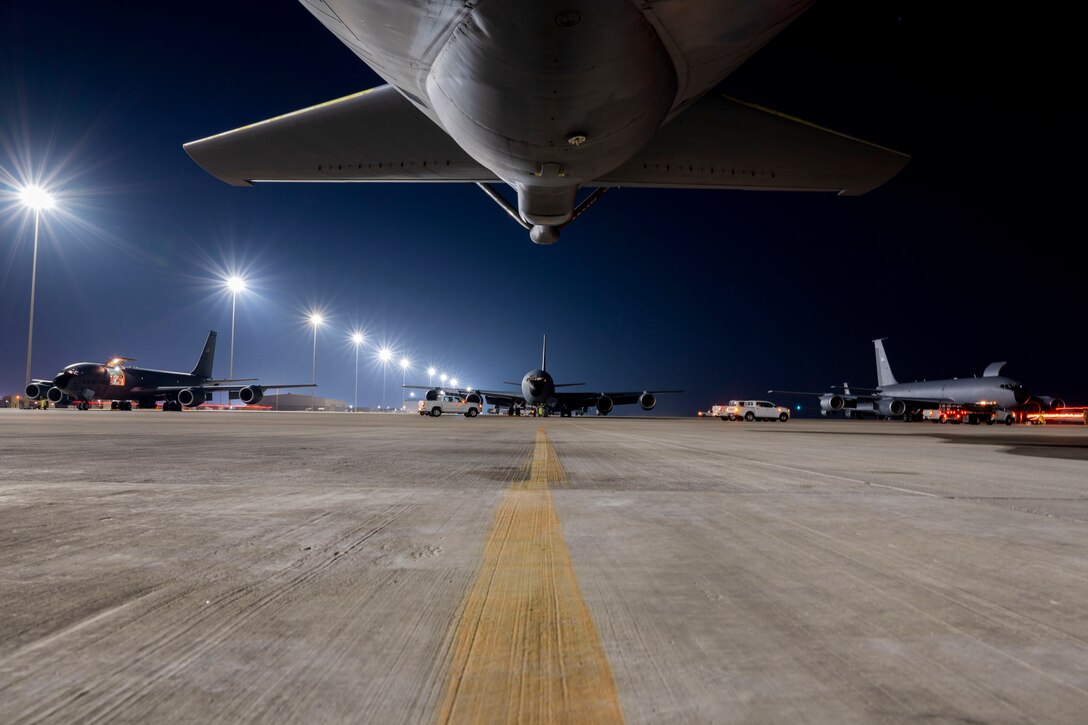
(82, 382)
(892, 399)
(550, 97)
(538, 388)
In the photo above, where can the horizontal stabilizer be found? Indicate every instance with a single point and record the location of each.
(723, 143)
(375, 135)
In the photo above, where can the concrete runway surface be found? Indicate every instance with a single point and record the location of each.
(301, 567)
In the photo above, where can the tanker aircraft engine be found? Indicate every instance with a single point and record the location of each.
(548, 99)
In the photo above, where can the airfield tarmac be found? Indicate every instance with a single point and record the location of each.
(303, 567)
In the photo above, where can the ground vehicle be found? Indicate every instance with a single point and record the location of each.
(468, 406)
(972, 413)
(725, 412)
(750, 410)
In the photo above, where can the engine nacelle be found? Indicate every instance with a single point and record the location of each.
(647, 401)
(1046, 402)
(604, 405)
(473, 398)
(191, 398)
(832, 403)
(38, 391)
(251, 394)
(893, 408)
(55, 395)
(432, 394)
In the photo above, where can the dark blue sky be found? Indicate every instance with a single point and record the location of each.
(964, 258)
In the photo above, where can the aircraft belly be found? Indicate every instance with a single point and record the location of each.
(548, 96)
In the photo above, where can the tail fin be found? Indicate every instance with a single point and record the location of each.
(883, 369)
(544, 355)
(207, 357)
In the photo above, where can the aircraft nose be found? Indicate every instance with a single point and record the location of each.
(1021, 395)
(62, 380)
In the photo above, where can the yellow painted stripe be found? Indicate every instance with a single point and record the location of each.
(525, 649)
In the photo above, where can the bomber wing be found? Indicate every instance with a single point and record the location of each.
(374, 135)
(722, 143)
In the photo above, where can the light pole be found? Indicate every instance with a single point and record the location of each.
(443, 378)
(36, 198)
(357, 338)
(315, 319)
(385, 355)
(430, 377)
(235, 284)
(405, 363)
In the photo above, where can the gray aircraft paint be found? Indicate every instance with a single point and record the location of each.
(549, 97)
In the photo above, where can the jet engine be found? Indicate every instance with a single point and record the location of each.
(1045, 401)
(832, 403)
(191, 398)
(251, 394)
(647, 401)
(37, 391)
(432, 394)
(604, 405)
(893, 408)
(473, 398)
(55, 395)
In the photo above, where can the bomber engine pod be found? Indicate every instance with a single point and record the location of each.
(604, 405)
(191, 398)
(251, 394)
(647, 401)
(36, 391)
(54, 395)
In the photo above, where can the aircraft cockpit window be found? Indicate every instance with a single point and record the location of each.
(117, 375)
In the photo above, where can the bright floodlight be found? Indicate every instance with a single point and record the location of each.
(316, 318)
(431, 371)
(405, 363)
(36, 198)
(443, 377)
(236, 284)
(357, 338)
(453, 382)
(385, 354)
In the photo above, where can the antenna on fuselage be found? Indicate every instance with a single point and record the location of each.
(544, 355)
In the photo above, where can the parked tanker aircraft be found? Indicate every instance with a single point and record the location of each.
(538, 388)
(550, 97)
(80, 383)
(893, 399)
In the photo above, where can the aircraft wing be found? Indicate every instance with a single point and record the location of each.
(722, 143)
(214, 388)
(586, 399)
(493, 397)
(374, 135)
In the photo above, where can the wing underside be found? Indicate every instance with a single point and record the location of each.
(723, 143)
(375, 135)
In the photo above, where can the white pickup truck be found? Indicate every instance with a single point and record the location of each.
(468, 406)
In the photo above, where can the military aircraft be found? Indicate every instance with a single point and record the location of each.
(538, 388)
(550, 97)
(115, 380)
(892, 399)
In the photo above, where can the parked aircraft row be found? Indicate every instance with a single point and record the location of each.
(116, 380)
(893, 399)
(550, 98)
(539, 389)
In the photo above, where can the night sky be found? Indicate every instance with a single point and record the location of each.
(964, 258)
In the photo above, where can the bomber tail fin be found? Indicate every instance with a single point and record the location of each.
(207, 357)
(883, 368)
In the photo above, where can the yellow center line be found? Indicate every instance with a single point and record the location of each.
(525, 649)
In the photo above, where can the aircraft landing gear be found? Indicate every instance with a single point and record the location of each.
(83, 405)
(171, 406)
